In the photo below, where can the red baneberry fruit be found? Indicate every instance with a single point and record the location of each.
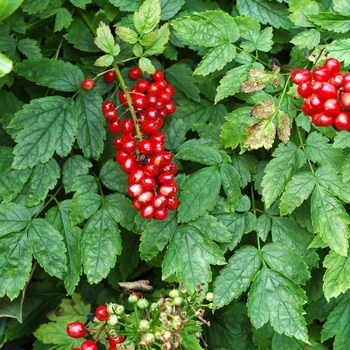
(135, 73)
(299, 76)
(88, 84)
(101, 313)
(76, 330)
(88, 345)
(110, 76)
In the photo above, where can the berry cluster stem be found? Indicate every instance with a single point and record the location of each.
(127, 95)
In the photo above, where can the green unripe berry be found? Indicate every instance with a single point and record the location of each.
(142, 303)
(149, 338)
(177, 301)
(210, 296)
(112, 320)
(174, 293)
(144, 325)
(133, 299)
(111, 308)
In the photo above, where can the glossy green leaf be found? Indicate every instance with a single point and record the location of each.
(236, 276)
(298, 189)
(300, 11)
(337, 325)
(157, 235)
(189, 255)
(13, 218)
(48, 247)
(83, 184)
(55, 74)
(175, 133)
(127, 34)
(336, 277)
(147, 17)
(84, 206)
(199, 193)
(100, 243)
(91, 124)
(307, 39)
(263, 226)
(201, 154)
(330, 21)
(73, 167)
(127, 5)
(266, 12)
(59, 217)
(231, 183)
(43, 179)
(180, 76)
(170, 8)
(33, 6)
(276, 299)
(287, 261)
(48, 125)
(278, 172)
(12, 308)
(15, 263)
(330, 220)
(113, 177)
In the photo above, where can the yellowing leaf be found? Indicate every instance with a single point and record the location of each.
(260, 134)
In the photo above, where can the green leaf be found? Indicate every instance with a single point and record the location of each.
(330, 21)
(260, 134)
(307, 39)
(127, 34)
(236, 276)
(212, 228)
(287, 261)
(11, 180)
(83, 184)
(263, 225)
(5, 65)
(33, 6)
(189, 255)
(266, 12)
(201, 154)
(104, 40)
(48, 247)
(300, 9)
(208, 29)
(233, 131)
(175, 133)
(55, 74)
(330, 220)
(120, 209)
(338, 49)
(44, 179)
(12, 308)
(216, 59)
(170, 8)
(161, 38)
(346, 169)
(63, 19)
(104, 61)
(156, 236)
(146, 65)
(10, 7)
(180, 76)
(127, 5)
(200, 192)
(48, 125)
(15, 263)
(29, 48)
(100, 243)
(91, 124)
(298, 189)
(337, 325)
(80, 3)
(13, 218)
(148, 16)
(113, 177)
(275, 298)
(320, 151)
(231, 183)
(59, 217)
(73, 167)
(279, 171)
(342, 139)
(336, 277)
(342, 6)
(231, 83)
(84, 206)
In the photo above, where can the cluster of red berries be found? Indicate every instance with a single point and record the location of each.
(151, 173)
(326, 93)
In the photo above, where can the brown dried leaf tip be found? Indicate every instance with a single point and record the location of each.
(260, 134)
(264, 110)
(283, 127)
(256, 81)
(137, 285)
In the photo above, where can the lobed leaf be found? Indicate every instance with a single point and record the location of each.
(330, 220)
(161, 38)
(189, 255)
(13, 218)
(170, 8)
(126, 34)
(104, 40)
(330, 21)
(200, 192)
(200, 154)
(113, 177)
(338, 49)
(275, 298)
(307, 39)
(84, 206)
(147, 17)
(236, 276)
(48, 247)
(48, 125)
(231, 184)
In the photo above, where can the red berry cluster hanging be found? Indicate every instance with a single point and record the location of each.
(326, 93)
(151, 172)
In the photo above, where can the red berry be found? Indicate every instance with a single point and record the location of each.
(136, 204)
(135, 190)
(342, 121)
(157, 75)
(112, 115)
(122, 98)
(151, 113)
(159, 201)
(88, 345)
(145, 146)
(169, 90)
(157, 147)
(148, 183)
(165, 178)
(170, 107)
(168, 190)
(114, 127)
(115, 341)
(151, 170)
(145, 197)
(345, 99)
(300, 76)
(327, 91)
(88, 84)
(332, 107)
(129, 164)
(134, 73)
(325, 119)
(108, 106)
(142, 85)
(127, 126)
(158, 137)
(110, 76)
(76, 330)
(332, 65)
(147, 212)
(321, 74)
(173, 203)
(135, 176)
(101, 313)
(305, 89)
(316, 102)
(169, 168)
(139, 102)
(128, 144)
(161, 214)
(337, 79)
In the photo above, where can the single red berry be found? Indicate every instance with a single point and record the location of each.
(345, 99)
(316, 102)
(142, 85)
(169, 168)
(157, 75)
(170, 107)
(128, 144)
(108, 106)
(135, 190)
(115, 341)
(306, 107)
(158, 137)
(325, 119)
(129, 164)
(159, 201)
(111, 115)
(114, 127)
(305, 89)
(321, 74)
(145, 146)
(337, 79)
(110, 76)
(122, 98)
(332, 107)
(173, 203)
(332, 65)
(147, 212)
(101, 313)
(148, 183)
(136, 204)
(121, 156)
(88, 84)
(76, 330)
(161, 214)
(151, 113)
(157, 147)
(139, 102)
(328, 91)
(154, 89)
(88, 345)
(342, 121)
(165, 178)
(299, 76)
(168, 190)
(169, 90)
(151, 170)
(145, 197)
(127, 126)
(135, 176)
(134, 73)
